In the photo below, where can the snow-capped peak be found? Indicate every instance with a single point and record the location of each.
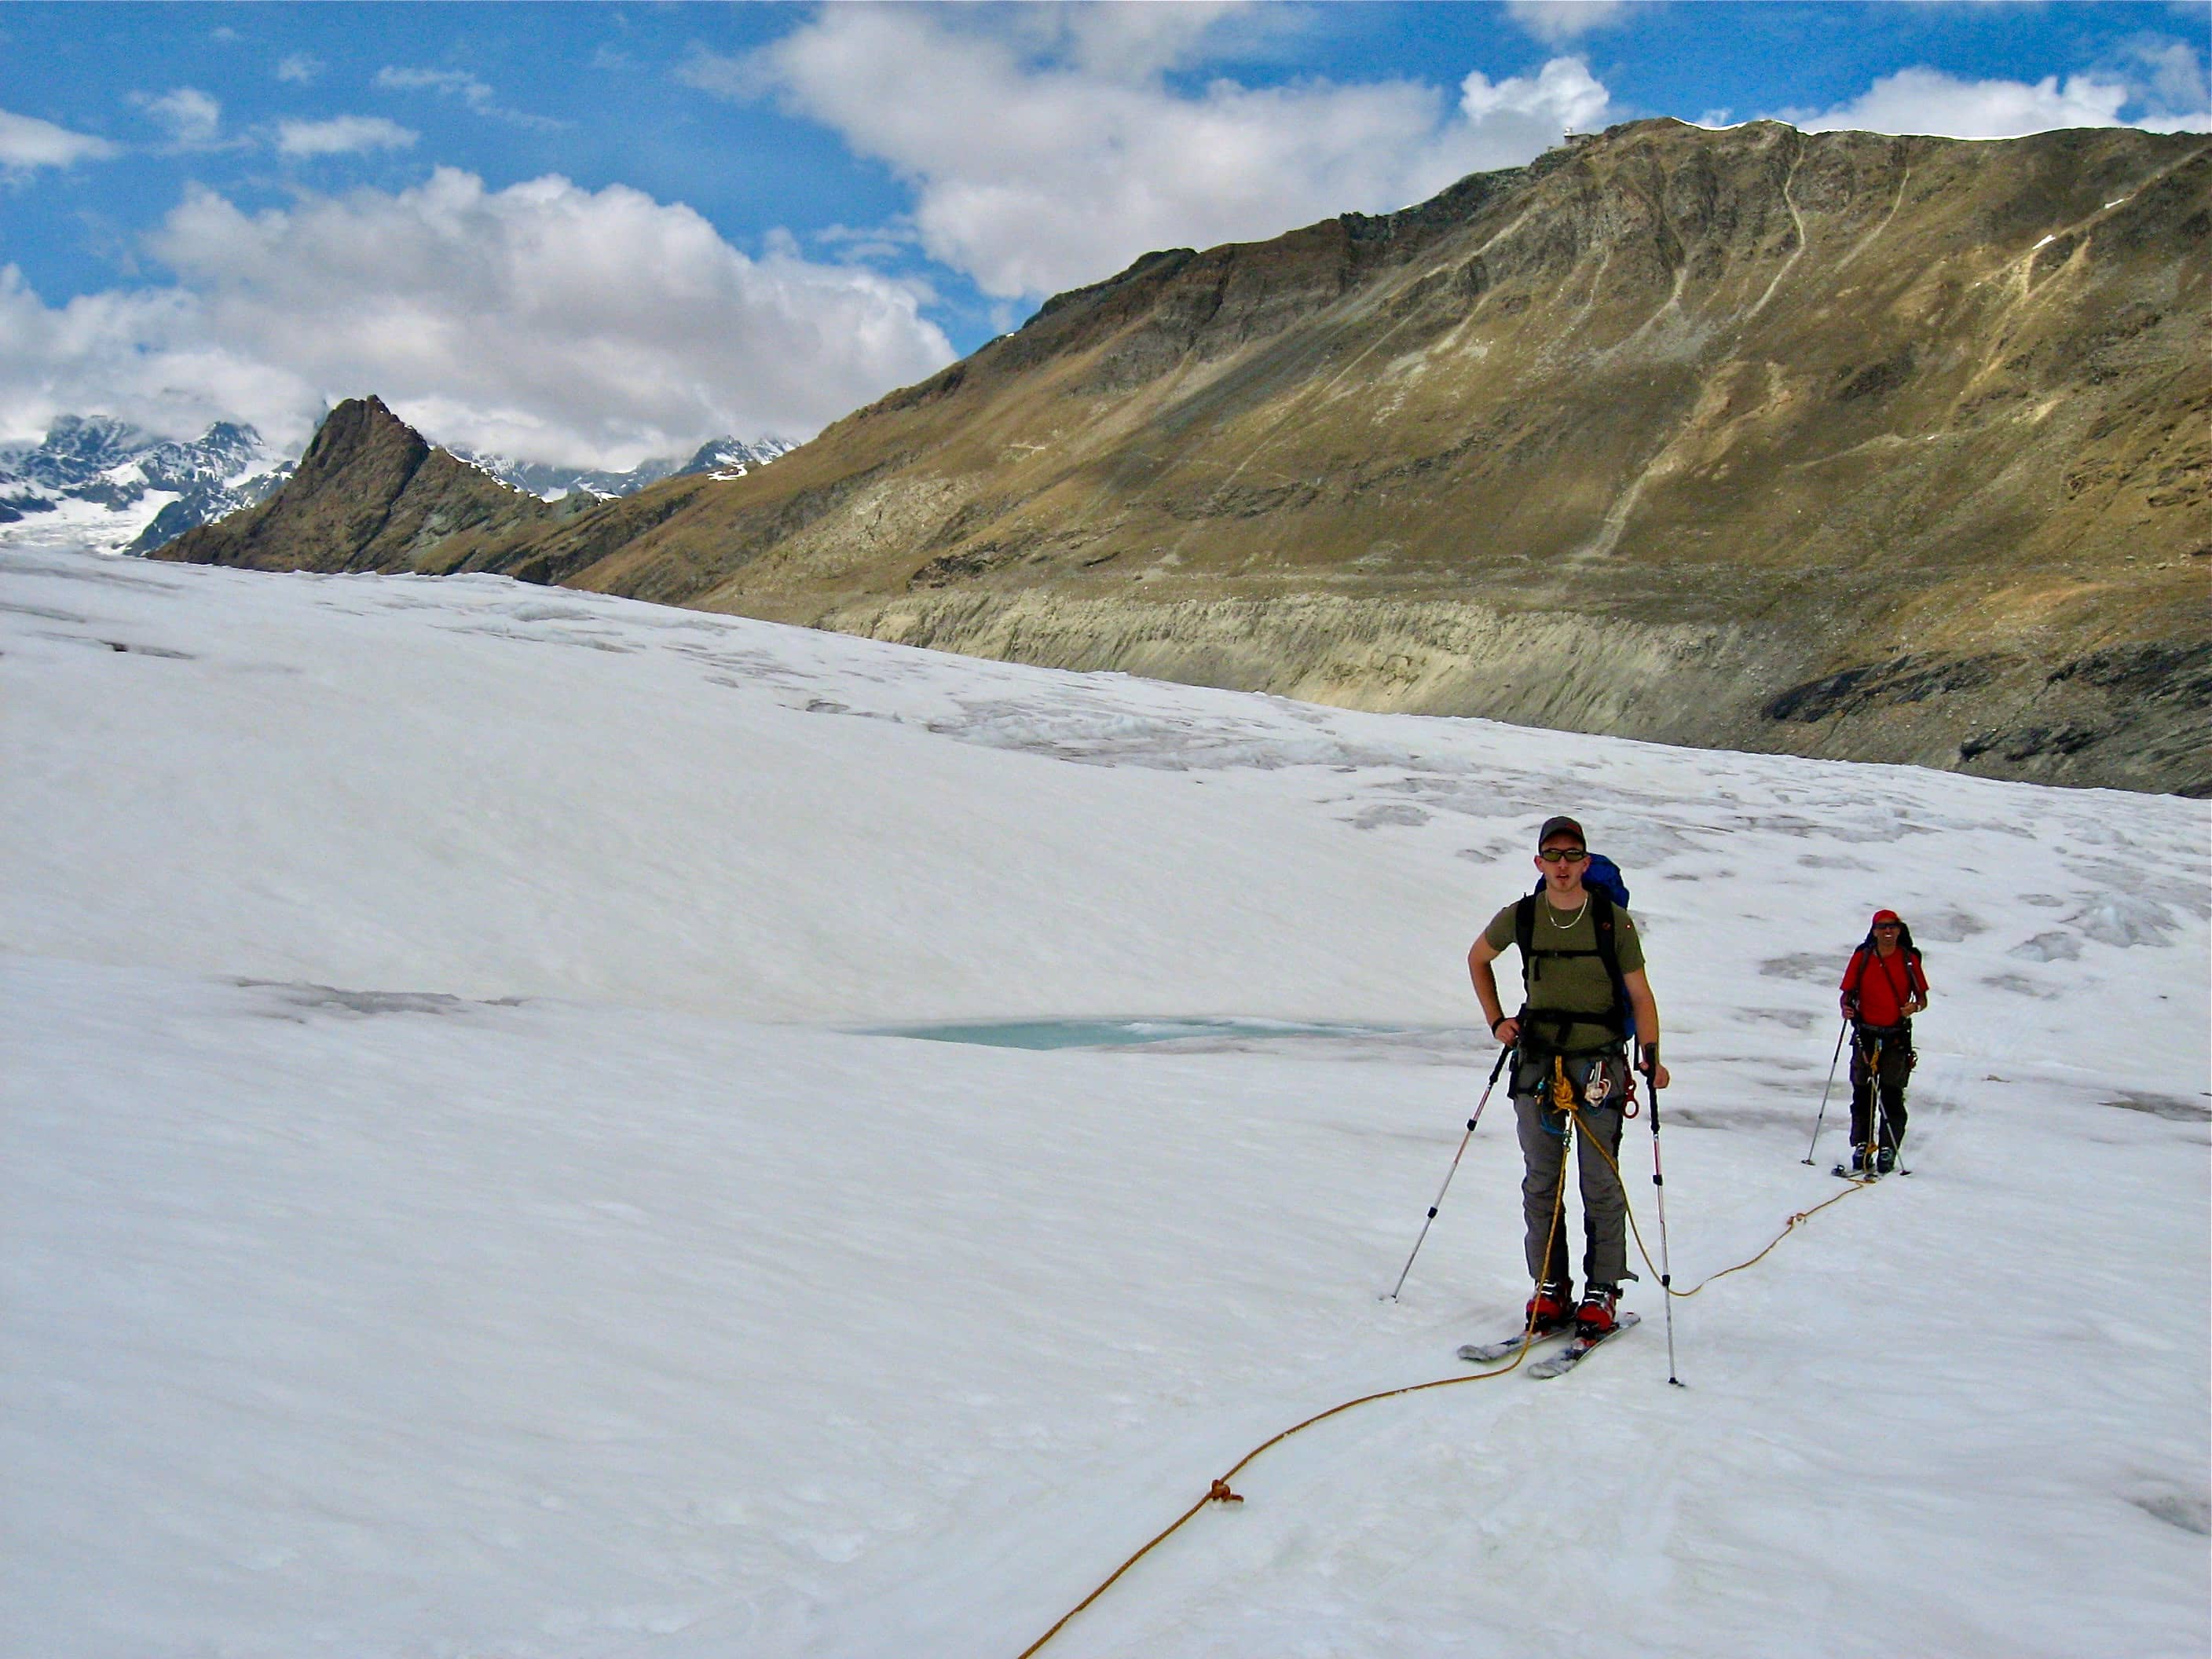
(723, 458)
(99, 481)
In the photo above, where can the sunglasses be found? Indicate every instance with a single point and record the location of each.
(1565, 856)
(1888, 927)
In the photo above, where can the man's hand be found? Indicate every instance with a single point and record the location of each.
(1507, 1031)
(1850, 1006)
(1647, 1061)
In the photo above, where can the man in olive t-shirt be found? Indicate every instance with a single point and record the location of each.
(1566, 977)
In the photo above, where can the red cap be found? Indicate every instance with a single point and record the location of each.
(1881, 916)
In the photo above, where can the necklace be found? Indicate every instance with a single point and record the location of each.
(1564, 925)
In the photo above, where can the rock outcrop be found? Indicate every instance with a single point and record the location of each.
(370, 494)
(1883, 448)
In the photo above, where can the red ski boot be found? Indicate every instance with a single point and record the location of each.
(1597, 1315)
(1552, 1309)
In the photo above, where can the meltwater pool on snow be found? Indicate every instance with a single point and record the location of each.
(1218, 1035)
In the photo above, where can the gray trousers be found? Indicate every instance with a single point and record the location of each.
(1544, 1134)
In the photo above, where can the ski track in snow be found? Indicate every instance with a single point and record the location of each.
(448, 1211)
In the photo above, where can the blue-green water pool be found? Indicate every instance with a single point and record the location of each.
(1131, 1033)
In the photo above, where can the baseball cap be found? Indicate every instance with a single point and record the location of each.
(1563, 826)
(1881, 916)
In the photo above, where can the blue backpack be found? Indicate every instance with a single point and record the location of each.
(1604, 873)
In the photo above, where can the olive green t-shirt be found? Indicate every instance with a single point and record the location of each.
(1575, 985)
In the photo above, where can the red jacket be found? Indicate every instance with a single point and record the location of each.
(1884, 984)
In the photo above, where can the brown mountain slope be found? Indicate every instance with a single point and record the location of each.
(368, 495)
(1884, 448)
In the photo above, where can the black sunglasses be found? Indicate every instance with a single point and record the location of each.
(1565, 856)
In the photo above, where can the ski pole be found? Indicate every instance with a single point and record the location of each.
(1494, 1072)
(1834, 1061)
(1659, 1181)
(1876, 1112)
(1896, 1152)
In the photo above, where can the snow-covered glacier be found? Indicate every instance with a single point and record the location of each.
(457, 1199)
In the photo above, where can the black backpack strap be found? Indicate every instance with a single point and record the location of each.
(1855, 970)
(1524, 935)
(1609, 950)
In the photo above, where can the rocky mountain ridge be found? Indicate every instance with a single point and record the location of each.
(1873, 447)
(113, 486)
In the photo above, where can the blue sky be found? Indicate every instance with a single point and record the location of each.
(587, 233)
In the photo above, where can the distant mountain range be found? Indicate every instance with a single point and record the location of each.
(97, 481)
(721, 458)
(100, 481)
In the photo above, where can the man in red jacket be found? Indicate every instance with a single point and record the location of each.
(1883, 988)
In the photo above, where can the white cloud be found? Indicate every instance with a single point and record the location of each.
(1928, 100)
(1563, 96)
(2174, 94)
(342, 135)
(26, 141)
(2199, 121)
(1554, 20)
(544, 321)
(453, 83)
(140, 355)
(193, 118)
(1139, 39)
(459, 84)
(1050, 150)
(301, 68)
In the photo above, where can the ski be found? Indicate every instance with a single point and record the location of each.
(1559, 1364)
(1486, 1353)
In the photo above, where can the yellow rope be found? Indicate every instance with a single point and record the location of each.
(1643, 1250)
(1220, 1492)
